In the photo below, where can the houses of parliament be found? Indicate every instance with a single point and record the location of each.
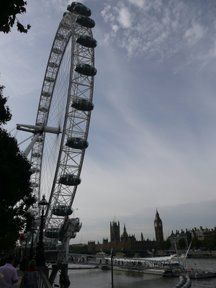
(127, 243)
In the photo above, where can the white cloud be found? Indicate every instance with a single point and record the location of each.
(194, 33)
(107, 14)
(158, 30)
(124, 17)
(139, 3)
(115, 27)
(118, 14)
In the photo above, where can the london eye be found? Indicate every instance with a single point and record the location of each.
(62, 123)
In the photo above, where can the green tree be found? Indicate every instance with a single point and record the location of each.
(167, 244)
(182, 243)
(15, 192)
(8, 15)
(196, 243)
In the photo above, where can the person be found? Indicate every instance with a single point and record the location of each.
(8, 273)
(30, 278)
(23, 266)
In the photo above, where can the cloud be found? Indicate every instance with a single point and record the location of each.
(115, 28)
(119, 14)
(194, 33)
(107, 14)
(155, 29)
(139, 3)
(124, 17)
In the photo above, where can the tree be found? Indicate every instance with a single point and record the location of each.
(8, 15)
(167, 244)
(15, 192)
(182, 243)
(4, 110)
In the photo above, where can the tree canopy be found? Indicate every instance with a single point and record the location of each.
(8, 15)
(4, 110)
(15, 192)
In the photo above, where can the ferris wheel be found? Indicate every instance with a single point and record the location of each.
(62, 123)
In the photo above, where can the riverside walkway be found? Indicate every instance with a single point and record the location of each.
(43, 281)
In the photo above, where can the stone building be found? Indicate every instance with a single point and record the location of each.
(123, 243)
(115, 232)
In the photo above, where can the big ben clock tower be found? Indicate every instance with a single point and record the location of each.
(158, 225)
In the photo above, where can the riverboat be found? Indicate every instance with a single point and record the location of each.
(200, 274)
(154, 265)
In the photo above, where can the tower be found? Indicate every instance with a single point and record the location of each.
(114, 231)
(158, 225)
(124, 236)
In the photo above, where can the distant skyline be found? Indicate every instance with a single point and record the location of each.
(152, 134)
(184, 216)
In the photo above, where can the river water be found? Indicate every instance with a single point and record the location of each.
(95, 278)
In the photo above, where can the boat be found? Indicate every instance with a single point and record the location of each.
(194, 273)
(167, 266)
(200, 274)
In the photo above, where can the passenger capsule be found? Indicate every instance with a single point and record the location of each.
(62, 210)
(82, 104)
(49, 79)
(34, 185)
(43, 109)
(35, 170)
(76, 223)
(39, 140)
(86, 69)
(52, 233)
(79, 8)
(56, 50)
(85, 21)
(87, 41)
(46, 94)
(65, 13)
(77, 143)
(65, 26)
(53, 65)
(36, 155)
(60, 36)
(70, 180)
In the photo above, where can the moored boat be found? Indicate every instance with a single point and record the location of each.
(167, 266)
(200, 274)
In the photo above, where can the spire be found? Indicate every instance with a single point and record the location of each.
(157, 216)
(124, 235)
(124, 231)
(158, 228)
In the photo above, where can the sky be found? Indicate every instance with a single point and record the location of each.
(152, 135)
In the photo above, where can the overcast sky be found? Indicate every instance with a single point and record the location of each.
(153, 130)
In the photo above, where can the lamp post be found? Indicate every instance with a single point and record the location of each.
(33, 230)
(40, 257)
(111, 262)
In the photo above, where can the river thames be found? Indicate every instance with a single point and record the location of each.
(102, 279)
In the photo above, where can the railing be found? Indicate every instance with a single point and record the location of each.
(184, 282)
(43, 281)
